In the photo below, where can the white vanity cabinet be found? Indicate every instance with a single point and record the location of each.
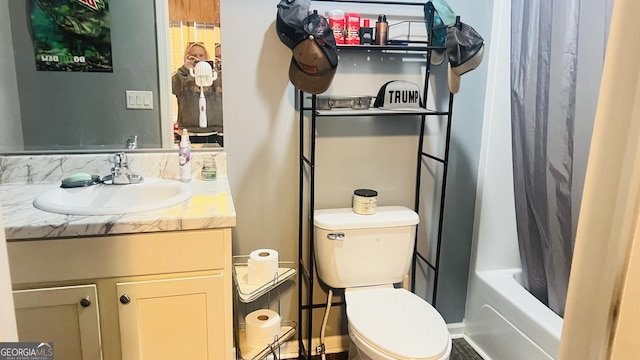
(66, 316)
(163, 295)
(172, 319)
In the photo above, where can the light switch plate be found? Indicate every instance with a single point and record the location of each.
(137, 99)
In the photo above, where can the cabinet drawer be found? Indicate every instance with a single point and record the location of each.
(34, 261)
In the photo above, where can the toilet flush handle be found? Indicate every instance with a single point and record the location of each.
(335, 236)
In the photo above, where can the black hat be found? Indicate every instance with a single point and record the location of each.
(465, 49)
(290, 15)
(315, 56)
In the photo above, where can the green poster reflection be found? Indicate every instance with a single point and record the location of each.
(71, 35)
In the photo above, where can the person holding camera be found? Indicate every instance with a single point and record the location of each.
(187, 93)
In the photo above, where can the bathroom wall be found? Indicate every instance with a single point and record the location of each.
(261, 131)
(8, 331)
(11, 134)
(87, 114)
(261, 140)
(463, 169)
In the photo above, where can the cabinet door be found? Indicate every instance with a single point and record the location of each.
(66, 316)
(173, 319)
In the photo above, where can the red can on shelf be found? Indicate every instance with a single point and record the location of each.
(352, 24)
(336, 23)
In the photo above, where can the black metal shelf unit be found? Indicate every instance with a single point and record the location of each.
(307, 271)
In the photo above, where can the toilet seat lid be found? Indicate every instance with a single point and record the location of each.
(398, 322)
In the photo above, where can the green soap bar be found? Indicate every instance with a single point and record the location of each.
(78, 177)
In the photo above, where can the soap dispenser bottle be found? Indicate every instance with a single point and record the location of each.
(184, 157)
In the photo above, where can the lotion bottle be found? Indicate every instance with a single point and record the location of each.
(184, 157)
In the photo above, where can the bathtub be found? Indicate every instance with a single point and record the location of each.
(505, 322)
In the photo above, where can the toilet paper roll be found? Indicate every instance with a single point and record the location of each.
(262, 328)
(263, 266)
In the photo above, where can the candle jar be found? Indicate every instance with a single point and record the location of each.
(209, 168)
(365, 201)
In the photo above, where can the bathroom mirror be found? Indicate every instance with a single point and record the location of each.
(97, 109)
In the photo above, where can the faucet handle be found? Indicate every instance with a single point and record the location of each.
(132, 142)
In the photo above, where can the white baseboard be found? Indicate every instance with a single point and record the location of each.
(476, 348)
(340, 343)
(456, 330)
(332, 344)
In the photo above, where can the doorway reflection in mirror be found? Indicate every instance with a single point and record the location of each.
(185, 88)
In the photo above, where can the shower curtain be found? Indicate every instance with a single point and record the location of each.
(547, 81)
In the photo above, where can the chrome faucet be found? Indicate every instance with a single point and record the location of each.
(120, 173)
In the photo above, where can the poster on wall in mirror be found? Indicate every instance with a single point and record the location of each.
(71, 35)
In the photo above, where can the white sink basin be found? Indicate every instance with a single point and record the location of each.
(105, 199)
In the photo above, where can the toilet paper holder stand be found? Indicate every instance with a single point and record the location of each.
(246, 294)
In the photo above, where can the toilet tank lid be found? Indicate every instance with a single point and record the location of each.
(345, 218)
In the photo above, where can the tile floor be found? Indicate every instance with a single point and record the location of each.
(461, 351)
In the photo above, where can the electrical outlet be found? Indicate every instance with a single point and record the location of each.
(137, 99)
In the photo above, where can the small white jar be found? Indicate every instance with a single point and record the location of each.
(365, 201)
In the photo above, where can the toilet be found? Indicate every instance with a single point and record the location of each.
(368, 255)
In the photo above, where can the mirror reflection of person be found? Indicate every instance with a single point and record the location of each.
(188, 94)
(218, 63)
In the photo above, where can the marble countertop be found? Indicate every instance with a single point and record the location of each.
(211, 206)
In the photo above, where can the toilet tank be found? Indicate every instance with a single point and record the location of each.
(354, 250)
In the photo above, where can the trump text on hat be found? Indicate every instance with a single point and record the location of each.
(403, 96)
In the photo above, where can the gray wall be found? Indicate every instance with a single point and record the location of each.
(261, 135)
(463, 170)
(87, 110)
(594, 17)
(261, 139)
(11, 134)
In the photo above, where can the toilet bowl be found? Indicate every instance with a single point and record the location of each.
(393, 324)
(367, 255)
